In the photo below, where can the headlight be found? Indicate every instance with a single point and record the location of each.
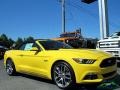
(84, 61)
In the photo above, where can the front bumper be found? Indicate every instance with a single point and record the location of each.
(86, 74)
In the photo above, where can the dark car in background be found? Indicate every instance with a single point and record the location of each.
(3, 48)
(2, 51)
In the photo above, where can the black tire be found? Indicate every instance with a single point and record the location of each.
(63, 75)
(10, 68)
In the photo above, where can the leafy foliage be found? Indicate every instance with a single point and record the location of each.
(8, 42)
(19, 41)
(29, 39)
(3, 37)
(5, 41)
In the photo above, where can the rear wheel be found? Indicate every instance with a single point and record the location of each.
(63, 75)
(10, 68)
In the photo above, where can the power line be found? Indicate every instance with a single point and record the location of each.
(88, 12)
(81, 8)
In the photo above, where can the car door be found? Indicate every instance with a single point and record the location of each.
(31, 61)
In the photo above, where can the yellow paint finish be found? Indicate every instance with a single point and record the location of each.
(40, 64)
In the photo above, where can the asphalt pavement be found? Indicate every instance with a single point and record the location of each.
(26, 82)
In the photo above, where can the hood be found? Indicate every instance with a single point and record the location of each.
(85, 53)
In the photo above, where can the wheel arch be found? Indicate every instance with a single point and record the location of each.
(6, 59)
(9, 58)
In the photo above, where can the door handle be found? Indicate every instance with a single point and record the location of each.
(21, 55)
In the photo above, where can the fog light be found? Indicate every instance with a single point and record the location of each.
(91, 76)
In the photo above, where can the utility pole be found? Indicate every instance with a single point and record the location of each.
(63, 16)
(103, 15)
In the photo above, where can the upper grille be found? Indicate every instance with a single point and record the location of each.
(108, 62)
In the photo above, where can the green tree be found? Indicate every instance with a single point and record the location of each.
(3, 38)
(29, 39)
(5, 41)
(11, 42)
(19, 41)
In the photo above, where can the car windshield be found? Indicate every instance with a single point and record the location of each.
(54, 45)
(115, 34)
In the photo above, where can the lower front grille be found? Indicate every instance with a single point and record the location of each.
(109, 74)
(91, 76)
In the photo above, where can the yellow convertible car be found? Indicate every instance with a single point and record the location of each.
(61, 63)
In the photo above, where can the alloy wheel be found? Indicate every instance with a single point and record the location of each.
(62, 75)
(9, 68)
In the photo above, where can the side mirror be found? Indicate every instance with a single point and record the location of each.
(34, 49)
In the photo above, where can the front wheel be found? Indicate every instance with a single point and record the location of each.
(10, 68)
(63, 75)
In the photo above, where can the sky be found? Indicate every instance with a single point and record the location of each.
(42, 18)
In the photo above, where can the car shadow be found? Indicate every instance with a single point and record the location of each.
(76, 87)
(117, 79)
(111, 85)
(35, 78)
